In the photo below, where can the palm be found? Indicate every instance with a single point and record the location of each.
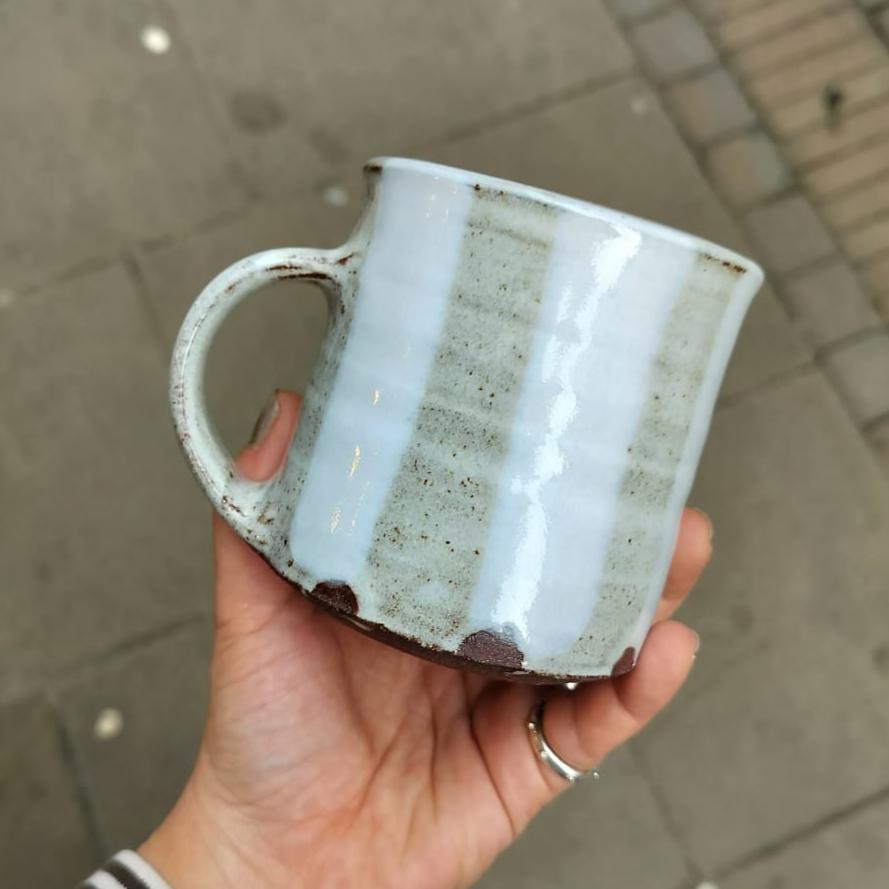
(328, 733)
(351, 763)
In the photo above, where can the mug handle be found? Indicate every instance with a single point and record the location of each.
(236, 498)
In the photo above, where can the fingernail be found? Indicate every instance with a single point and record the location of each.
(697, 644)
(264, 420)
(707, 519)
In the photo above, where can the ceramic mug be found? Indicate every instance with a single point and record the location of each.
(503, 424)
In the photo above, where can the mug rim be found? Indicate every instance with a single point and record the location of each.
(586, 208)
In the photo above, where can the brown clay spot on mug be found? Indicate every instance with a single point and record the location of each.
(344, 259)
(438, 655)
(625, 662)
(725, 263)
(229, 505)
(290, 271)
(486, 647)
(338, 595)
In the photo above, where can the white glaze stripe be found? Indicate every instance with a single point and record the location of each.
(366, 426)
(608, 294)
(658, 476)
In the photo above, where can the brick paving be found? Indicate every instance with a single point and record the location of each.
(710, 105)
(812, 294)
(747, 169)
(791, 116)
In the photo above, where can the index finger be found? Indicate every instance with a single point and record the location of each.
(690, 556)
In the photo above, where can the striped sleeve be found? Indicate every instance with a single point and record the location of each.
(126, 870)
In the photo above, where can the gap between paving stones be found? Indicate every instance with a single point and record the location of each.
(663, 806)
(103, 260)
(82, 790)
(100, 659)
(774, 847)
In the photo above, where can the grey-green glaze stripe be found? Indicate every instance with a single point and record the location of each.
(426, 552)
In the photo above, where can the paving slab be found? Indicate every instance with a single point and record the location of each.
(859, 205)
(825, 144)
(860, 371)
(673, 44)
(107, 142)
(103, 535)
(869, 241)
(859, 88)
(830, 303)
(802, 43)
(352, 80)
(608, 834)
(852, 852)
(789, 234)
(848, 171)
(710, 105)
(44, 842)
(271, 340)
(579, 147)
(784, 720)
(764, 21)
(135, 723)
(748, 169)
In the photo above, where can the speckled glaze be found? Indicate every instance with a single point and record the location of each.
(503, 424)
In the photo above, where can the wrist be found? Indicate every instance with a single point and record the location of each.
(200, 844)
(180, 851)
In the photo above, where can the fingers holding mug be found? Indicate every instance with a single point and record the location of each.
(580, 728)
(583, 726)
(691, 554)
(247, 589)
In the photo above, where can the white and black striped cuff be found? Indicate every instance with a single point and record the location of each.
(125, 871)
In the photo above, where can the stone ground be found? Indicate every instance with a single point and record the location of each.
(140, 162)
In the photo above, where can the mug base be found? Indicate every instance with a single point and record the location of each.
(481, 652)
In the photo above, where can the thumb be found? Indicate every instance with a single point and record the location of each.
(247, 590)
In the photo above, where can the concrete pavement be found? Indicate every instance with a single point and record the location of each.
(134, 175)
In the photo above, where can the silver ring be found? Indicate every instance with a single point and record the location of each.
(546, 753)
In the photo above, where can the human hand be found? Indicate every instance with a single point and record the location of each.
(330, 759)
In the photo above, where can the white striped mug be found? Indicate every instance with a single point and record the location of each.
(502, 427)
